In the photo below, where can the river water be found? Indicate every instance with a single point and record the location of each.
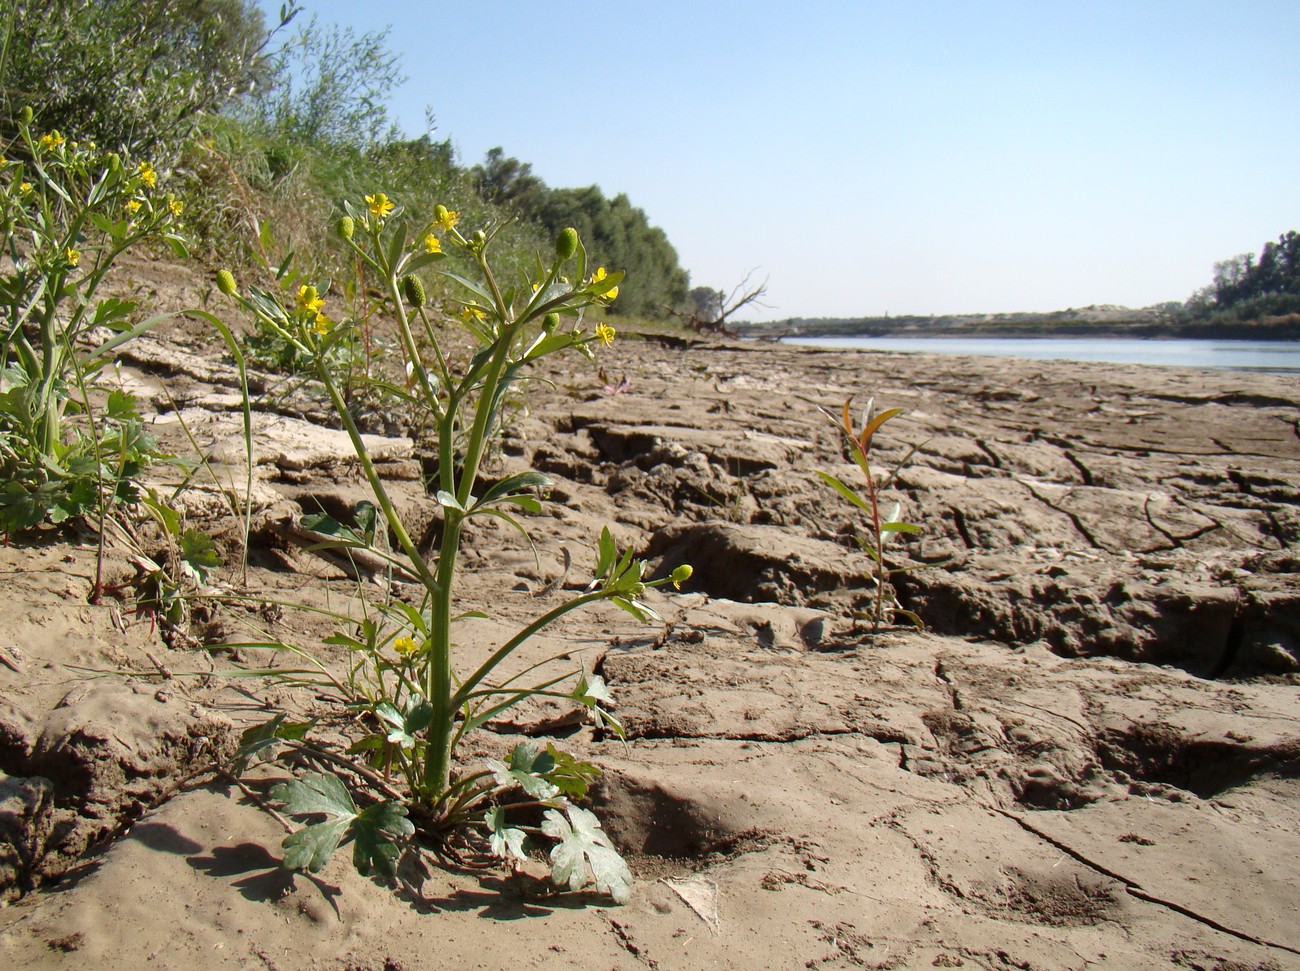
(1278, 356)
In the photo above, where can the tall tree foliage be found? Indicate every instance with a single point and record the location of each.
(330, 86)
(128, 74)
(616, 233)
(1250, 288)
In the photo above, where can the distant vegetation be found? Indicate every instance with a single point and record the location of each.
(283, 121)
(1251, 298)
(1246, 289)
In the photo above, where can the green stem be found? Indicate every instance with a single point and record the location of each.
(506, 649)
(372, 476)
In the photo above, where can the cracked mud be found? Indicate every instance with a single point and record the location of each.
(1090, 758)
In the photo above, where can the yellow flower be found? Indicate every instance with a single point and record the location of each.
(605, 334)
(132, 206)
(405, 646)
(471, 312)
(309, 300)
(25, 189)
(72, 256)
(51, 141)
(176, 206)
(380, 205)
(609, 294)
(147, 175)
(446, 218)
(323, 324)
(431, 244)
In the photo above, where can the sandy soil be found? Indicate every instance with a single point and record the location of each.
(1089, 759)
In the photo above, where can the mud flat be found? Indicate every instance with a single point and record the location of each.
(1091, 757)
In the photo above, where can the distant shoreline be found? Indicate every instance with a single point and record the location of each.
(1103, 323)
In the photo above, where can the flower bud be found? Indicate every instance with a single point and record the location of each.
(440, 214)
(681, 575)
(479, 238)
(114, 163)
(566, 244)
(226, 283)
(549, 323)
(413, 290)
(345, 227)
(25, 116)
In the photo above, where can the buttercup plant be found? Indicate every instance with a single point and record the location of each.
(881, 528)
(67, 213)
(402, 683)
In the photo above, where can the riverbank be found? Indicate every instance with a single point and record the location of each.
(1278, 357)
(1089, 759)
(1087, 323)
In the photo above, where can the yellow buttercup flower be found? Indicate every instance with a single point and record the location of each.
(132, 206)
(406, 646)
(431, 244)
(323, 324)
(446, 218)
(51, 141)
(609, 294)
(380, 205)
(147, 175)
(25, 189)
(605, 334)
(72, 256)
(309, 299)
(176, 206)
(471, 312)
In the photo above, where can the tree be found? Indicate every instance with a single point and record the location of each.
(711, 308)
(618, 235)
(508, 182)
(1247, 288)
(129, 74)
(707, 303)
(330, 86)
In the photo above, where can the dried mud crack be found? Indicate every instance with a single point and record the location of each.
(1102, 712)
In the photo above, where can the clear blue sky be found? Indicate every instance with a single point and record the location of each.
(904, 157)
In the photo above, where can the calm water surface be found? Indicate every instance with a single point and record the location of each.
(1279, 356)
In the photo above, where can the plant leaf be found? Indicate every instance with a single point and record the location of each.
(846, 491)
(899, 528)
(506, 841)
(257, 743)
(520, 772)
(573, 776)
(582, 844)
(873, 426)
(312, 846)
(377, 831)
(320, 792)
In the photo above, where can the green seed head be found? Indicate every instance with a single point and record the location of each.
(25, 116)
(226, 283)
(566, 244)
(413, 290)
(549, 323)
(345, 227)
